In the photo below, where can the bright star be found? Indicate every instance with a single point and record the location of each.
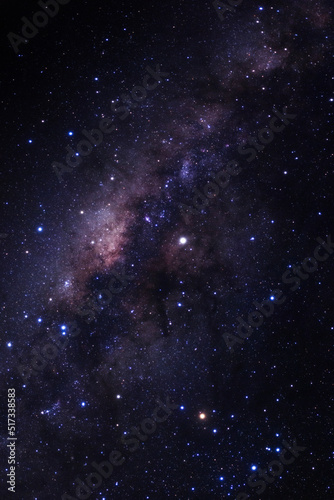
(183, 240)
(254, 467)
(39, 229)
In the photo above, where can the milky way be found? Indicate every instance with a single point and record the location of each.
(188, 273)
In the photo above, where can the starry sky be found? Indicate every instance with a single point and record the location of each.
(112, 255)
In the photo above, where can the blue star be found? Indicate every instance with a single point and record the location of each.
(254, 467)
(40, 229)
(70, 133)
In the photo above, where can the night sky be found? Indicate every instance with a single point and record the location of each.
(167, 248)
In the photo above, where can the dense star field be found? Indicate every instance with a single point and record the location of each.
(167, 244)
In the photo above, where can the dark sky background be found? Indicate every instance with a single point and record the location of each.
(188, 275)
